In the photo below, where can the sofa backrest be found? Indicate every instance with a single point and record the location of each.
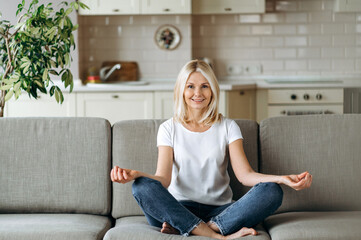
(328, 146)
(135, 147)
(55, 165)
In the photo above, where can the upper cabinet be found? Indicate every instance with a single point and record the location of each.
(134, 7)
(347, 6)
(166, 7)
(111, 7)
(228, 6)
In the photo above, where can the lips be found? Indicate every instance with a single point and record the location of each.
(198, 100)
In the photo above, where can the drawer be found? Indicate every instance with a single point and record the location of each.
(305, 96)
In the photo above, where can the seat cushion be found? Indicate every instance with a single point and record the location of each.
(137, 228)
(314, 225)
(53, 226)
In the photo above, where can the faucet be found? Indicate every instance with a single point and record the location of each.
(104, 76)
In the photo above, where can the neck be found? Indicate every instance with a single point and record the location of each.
(195, 116)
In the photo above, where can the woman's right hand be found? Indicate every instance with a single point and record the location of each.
(122, 175)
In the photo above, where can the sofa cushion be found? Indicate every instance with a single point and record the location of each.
(328, 146)
(314, 225)
(53, 226)
(52, 165)
(137, 228)
(135, 147)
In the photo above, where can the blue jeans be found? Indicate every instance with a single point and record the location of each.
(160, 206)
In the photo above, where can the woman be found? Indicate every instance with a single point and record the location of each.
(190, 193)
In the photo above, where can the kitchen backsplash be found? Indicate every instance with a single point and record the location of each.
(294, 37)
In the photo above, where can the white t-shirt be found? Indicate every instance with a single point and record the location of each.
(199, 170)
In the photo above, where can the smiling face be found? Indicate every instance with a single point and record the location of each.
(197, 92)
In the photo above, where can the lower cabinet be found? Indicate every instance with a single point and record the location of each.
(163, 104)
(119, 106)
(44, 106)
(240, 104)
(116, 106)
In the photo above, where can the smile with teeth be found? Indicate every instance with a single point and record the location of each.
(198, 100)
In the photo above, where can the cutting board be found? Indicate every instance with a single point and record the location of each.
(127, 72)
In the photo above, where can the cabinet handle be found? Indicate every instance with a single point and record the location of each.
(241, 92)
(115, 10)
(166, 10)
(228, 9)
(115, 96)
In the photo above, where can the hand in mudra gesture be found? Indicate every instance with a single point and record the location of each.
(298, 182)
(122, 175)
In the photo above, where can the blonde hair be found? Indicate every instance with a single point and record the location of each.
(211, 115)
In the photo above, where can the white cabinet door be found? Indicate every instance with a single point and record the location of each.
(166, 7)
(111, 7)
(116, 106)
(227, 6)
(44, 106)
(163, 105)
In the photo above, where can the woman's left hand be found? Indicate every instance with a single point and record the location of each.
(298, 182)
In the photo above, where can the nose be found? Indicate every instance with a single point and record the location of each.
(197, 91)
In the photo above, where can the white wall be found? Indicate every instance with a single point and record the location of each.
(8, 9)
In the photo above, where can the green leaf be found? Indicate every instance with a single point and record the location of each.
(9, 95)
(6, 87)
(45, 74)
(82, 5)
(17, 86)
(17, 94)
(57, 98)
(52, 89)
(38, 83)
(54, 72)
(67, 59)
(68, 11)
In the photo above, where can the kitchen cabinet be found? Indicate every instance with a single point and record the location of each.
(166, 7)
(240, 104)
(116, 106)
(163, 104)
(44, 106)
(227, 6)
(111, 7)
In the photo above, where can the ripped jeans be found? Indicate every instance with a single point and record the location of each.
(160, 206)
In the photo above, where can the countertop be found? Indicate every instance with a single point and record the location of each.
(255, 82)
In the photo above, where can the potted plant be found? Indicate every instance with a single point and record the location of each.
(36, 47)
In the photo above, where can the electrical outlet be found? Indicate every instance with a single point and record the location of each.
(253, 69)
(234, 69)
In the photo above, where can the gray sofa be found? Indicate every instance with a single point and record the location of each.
(54, 176)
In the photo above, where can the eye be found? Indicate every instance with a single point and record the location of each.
(190, 86)
(205, 86)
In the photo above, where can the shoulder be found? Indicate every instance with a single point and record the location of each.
(167, 125)
(227, 122)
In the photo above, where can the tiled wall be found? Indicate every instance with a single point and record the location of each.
(131, 38)
(294, 37)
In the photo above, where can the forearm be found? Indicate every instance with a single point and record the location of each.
(161, 179)
(252, 178)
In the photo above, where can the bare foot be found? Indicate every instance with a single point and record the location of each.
(168, 229)
(241, 233)
(213, 226)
